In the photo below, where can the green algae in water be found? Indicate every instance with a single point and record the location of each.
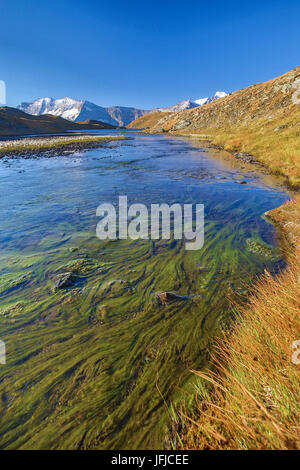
(263, 249)
(11, 281)
(95, 365)
(80, 266)
(92, 355)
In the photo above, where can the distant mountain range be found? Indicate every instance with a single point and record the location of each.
(80, 110)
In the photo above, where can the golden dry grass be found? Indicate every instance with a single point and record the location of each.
(276, 142)
(147, 121)
(252, 401)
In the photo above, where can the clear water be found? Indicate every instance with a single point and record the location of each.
(77, 377)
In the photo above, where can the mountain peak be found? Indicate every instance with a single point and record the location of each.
(220, 94)
(193, 103)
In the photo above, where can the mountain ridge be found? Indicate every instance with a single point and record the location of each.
(16, 122)
(82, 110)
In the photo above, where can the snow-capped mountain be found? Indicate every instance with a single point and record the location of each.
(216, 96)
(185, 104)
(188, 104)
(79, 110)
(66, 108)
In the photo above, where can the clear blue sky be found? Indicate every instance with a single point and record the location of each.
(145, 53)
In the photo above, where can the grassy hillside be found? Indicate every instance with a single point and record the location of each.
(262, 120)
(147, 121)
(16, 122)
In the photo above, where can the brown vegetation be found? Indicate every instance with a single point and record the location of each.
(147, 121)
(252, 401)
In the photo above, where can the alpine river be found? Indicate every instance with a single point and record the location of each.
(101, 364)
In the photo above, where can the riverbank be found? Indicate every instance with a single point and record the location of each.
(252, 398)
(52, 146)
(249, 400)
(273, 147)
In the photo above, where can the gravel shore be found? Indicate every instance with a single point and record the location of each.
(54, 145)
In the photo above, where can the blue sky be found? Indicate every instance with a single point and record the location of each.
(143, 54)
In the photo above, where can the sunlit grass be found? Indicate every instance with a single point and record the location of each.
(275, 143)
(252, 397)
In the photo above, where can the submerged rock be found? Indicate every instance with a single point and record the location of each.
(255, 246)
(64, 280)
(20, 280)
(166, 297)
(13, 309)
(102, 313)
(79, 266)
